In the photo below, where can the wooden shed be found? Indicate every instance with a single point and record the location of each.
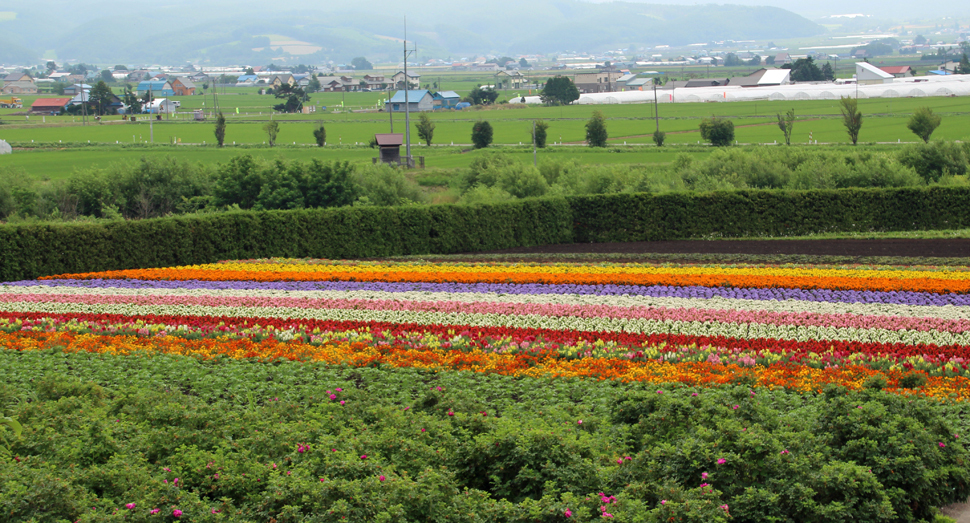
(390, 146)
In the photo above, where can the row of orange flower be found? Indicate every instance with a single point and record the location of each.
(700, 374)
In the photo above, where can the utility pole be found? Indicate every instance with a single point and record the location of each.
(407, 88)
(151, 118)
(535, 161)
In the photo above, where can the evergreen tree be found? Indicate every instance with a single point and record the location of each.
(425, 128)
(482, 134)
(220, 129)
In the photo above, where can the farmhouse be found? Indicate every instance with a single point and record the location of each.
(398, 79)
(182, 86)
(638, 84)
(157, 87)
(481, 68)
(509, 80)
(246, 80)
(19, 83)
(281, 79)
(867, 73)
(374, 82)
(418, 100)
(49, 105)
(708, 82)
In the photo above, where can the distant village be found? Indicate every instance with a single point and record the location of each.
(609, 72)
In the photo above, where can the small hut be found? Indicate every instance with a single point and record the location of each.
(390, 146)
(5, 147)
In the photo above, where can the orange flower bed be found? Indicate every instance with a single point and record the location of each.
(548, 365)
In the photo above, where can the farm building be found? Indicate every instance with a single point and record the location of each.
(707, 82)
(638, 84)
(418, 100)
(49, 105)
(246, 80)
(157, 87)
(445, 100)
(598, 82)
(182, 86)
(19, 83)
(764, 77)
(75, 89)
(867, 73)
(160, 106)
(899, 71)
(5, 147)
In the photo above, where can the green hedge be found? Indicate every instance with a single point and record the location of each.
(32, 250)
(646, 217)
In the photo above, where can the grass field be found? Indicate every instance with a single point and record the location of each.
(885, 121)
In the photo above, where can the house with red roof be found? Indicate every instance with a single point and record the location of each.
(899, 71)
(49, 105)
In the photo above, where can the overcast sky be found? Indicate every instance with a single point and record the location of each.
(814, 9)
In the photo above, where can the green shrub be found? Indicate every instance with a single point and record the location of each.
(718, 131)
(933, 160)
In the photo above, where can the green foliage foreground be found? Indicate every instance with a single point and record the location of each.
(111, 438)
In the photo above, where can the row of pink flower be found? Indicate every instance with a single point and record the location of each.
(809, 319)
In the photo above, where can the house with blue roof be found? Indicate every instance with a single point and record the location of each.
(445, 100)
(418, 100)
(157, 87)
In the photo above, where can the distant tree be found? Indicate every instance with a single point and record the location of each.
(293, 97)
(828, 74)
(923, 122)
(314, 85)
(964, 64)
(541, 134)
(101, 97)
(131, 100)
(659, 137)
(756, 60)
(479, 96)
(301, 69)
(320, 134)
(770, 60)
(559, 90)
(596, 134)
(805, 70)
(786, 123)
(58, 87)
(249, 70)
(501, 61)
(107, 77)
(220, 129)
(732, 60)
(51, 67)
(482, 134)
(361, 64)
(718, 131)
(272, 67)
(272, 129)
(919, 40)
(120, 67)
(523, 62)
(80, 68)
(425, 128)
(851, 117)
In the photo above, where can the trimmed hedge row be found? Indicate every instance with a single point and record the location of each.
(32, 250)
(645, 217)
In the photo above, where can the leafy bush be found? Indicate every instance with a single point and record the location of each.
(252, 440)
(596, 134)
(934, 160)
(718, 131)
(482, 134)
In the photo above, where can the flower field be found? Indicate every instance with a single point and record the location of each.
(318, 391)
(794, 327)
